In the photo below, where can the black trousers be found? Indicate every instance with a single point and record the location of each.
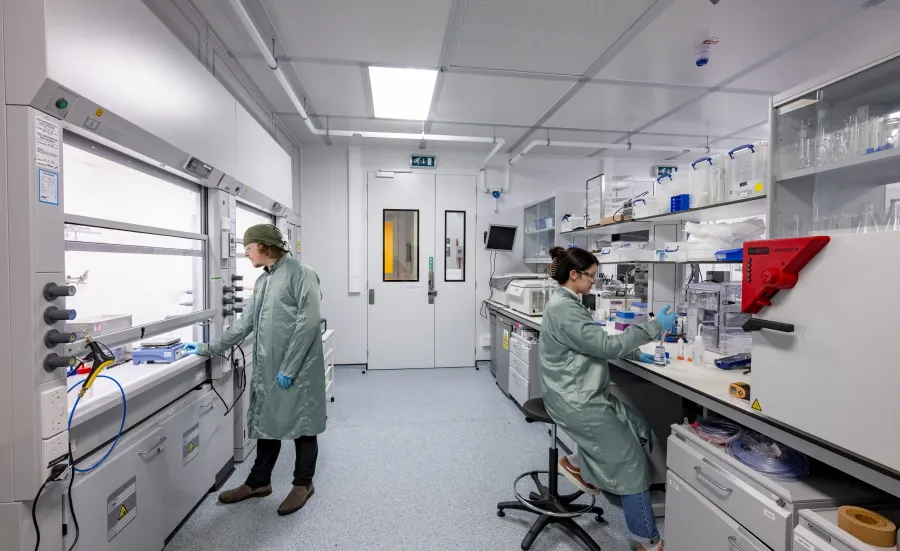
(307, 448)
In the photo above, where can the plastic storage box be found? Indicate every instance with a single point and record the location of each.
(746, 171)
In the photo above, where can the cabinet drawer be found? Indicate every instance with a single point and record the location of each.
(693, 523)
(516, 364)
(727, 488)
(518, 387)
(520, 348)
(119, 505)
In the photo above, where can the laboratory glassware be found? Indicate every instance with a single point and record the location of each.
(859, 131)
(893, 223)
(804, 146)
(823, 148)
(890, 132)
(867, 222)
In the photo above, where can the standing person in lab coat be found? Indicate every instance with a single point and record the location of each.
(575, 381)
(287, 390)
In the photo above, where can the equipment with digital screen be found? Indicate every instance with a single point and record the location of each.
(500, 238)
(198, 168)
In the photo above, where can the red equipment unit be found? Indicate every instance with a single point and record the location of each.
(773, 264)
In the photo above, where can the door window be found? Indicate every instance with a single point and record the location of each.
(454, 245)
(401, 245)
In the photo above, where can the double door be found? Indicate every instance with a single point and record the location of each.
(421, 271)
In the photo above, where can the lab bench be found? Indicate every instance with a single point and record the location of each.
(708, 387)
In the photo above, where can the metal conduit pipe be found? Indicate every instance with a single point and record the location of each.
(594, 145)
(263, 48)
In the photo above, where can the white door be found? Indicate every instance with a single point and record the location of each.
(454, 305)
(401, 242)
(421, 273)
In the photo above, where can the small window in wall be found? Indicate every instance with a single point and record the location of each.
(401, 245)
(454, 245)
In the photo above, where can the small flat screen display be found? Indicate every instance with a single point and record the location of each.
(501, 238)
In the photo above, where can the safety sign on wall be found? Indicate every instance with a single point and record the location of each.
(190, 444)
(506, 339)
(121, 508)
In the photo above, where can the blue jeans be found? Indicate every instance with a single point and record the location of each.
(638, 511)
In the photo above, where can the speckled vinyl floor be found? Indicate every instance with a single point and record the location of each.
(411, 461)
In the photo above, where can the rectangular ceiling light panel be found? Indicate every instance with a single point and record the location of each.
(402, 93)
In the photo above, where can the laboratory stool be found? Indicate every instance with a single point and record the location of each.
(550, 507)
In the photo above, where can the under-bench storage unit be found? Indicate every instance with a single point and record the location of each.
(757, 511)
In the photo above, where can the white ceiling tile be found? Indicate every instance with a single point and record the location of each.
(537, 35)
(717, 114)
(386, 31)
(493, 99)
(747, 31)
(856, 42)
(616, 107)
(334, 89)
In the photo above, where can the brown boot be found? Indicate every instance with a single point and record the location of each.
(243, 492)
(296, 499)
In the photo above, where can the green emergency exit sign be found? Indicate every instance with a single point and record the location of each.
(665, 170)
(422, 161)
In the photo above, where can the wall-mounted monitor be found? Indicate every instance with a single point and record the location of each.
(500, 238)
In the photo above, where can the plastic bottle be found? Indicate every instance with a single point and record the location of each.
(659, 355)
(699, 349)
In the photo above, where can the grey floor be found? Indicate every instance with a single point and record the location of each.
(411, 460)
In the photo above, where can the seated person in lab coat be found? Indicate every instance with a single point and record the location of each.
(575, 381)
(287, 390)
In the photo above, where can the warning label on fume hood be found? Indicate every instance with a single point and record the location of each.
(46, 142)
(190, 444)
(121, 508)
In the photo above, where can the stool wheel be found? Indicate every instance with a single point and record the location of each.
(500, 513)
(529, 420)
(599, 518)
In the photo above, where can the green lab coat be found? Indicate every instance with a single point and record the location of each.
(575, 378)
(284, 313)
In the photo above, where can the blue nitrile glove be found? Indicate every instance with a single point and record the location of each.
(648, 358)
(284, 381)
(191, 348)
(666, 319)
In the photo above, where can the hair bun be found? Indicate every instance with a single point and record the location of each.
(556, 252)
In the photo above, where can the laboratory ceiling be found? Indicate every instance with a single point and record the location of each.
(576, 70)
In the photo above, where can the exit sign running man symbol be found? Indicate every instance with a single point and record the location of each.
(422, 161)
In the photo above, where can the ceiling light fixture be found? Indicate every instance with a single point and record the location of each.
(402, 93)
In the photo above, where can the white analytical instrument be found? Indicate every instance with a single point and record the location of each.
(530, 296)
(500, 285)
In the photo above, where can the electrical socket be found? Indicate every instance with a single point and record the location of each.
(485, 341)
(54, 404)
(52, 449)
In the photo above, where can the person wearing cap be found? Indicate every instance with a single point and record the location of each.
(287, 389)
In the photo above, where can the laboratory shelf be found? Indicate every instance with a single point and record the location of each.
(542, 230)
(882, 167)
(711, 261)
(752, 206)
(537, 260)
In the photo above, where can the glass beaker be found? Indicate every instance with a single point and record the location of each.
(893, 223)
(804, 146)
(861, 122)
(867, 222)
(823, 147)
(890, 133)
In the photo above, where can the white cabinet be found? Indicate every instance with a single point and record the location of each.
(119, 506)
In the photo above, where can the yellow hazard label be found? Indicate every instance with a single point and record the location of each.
(756, 405)
(99, 112)
(506, 339)
(191, 447)
(122, 512)
(758, 187)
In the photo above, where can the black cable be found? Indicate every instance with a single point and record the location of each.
(71, 506)
(241, 380)
(483, 312)
(55, 472)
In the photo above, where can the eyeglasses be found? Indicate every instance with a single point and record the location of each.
(592, 275)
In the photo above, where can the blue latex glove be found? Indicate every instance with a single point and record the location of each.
(284, 381)
(191, 348)
(666, 319)
(646, 357)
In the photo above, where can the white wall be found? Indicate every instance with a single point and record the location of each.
(324, 210)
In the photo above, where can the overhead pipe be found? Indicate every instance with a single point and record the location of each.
(593, 145)
(263, 48)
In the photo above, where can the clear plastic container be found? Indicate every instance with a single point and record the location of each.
(746, 171)
(699, 182)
